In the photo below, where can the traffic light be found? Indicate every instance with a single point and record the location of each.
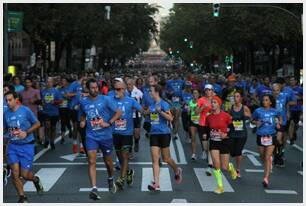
(185, 40)
(191, 45)
(216, 8)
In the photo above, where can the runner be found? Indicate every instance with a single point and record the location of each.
(228, 93)
(265, 119)
(160, 137)
(123, 132)
(51, 99)
(186, 97)
(193, 119)
(96, 113)
(20, 123)
(238, 136)
(219, 144)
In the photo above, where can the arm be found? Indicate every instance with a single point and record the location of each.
(247, 112)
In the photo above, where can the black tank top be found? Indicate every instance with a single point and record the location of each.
(239, 123)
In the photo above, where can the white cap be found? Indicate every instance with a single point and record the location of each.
(118, 79)
(209, 86)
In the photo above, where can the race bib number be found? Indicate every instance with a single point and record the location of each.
(96, 123)
(195, 119)
(238, 125)
(215, 136)
(175, 99)
(49, 98)
(154, 117)
(120, 124)
(266, 140)
(64, 104)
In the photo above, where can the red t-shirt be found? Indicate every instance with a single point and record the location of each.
(204, 101)
(218, 122)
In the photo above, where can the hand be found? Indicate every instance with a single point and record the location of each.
(258, 123)
(23, 134)
(82, 124)
(278, 126)
(105, 124)
(223, 135)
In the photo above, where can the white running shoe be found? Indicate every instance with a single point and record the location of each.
(193, 157)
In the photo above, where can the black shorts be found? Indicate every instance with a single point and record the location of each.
(259, 142)
(52, 119)
(237, 145)
(185, 120)
(122, 142)
(41, 118)
(192, 124)
(74, 115)
(223, 146)
(137, 122)
(203, 131)
(295, 116)
(160, 140)
(147, 126)
(282, 128)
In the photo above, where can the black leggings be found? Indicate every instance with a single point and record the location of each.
(65, 119)
(185, 121)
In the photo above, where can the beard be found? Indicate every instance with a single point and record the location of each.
(93, 94)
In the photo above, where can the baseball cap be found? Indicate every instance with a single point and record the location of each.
(188, 83)
(209, 86)
(118, 79)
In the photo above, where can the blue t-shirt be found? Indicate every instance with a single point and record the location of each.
(159, 124)
(253, 89)
(19, 88)
(125, 124)
(217, 89)
(267, 119)
(289, 93)
(49, 96)
(298, 92)
(74, 87)
(62, 91)
(281, 103)
(5, 105)
(112, 93)
(147, 101)
(262, 90)
(20, 120)
(176, 87)
(101, 108)
(186, 97)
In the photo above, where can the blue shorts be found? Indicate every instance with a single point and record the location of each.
(22, 154)
(105, 145)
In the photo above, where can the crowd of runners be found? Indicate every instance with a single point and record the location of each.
(106, 113)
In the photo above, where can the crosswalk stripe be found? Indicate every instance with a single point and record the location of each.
(48, 177)
(252, 170)
(100, 189)
(181, 151)
(172, 151)
(300, 172)
(285, 192)
(208, 183)
(254, 160)
(165, 180)
(179, 201)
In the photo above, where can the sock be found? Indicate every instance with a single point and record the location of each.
(81, 145)
(75, 141)
(218, 175)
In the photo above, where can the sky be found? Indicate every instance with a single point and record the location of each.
(166, 6)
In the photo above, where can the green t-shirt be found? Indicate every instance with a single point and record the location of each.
(194, 117)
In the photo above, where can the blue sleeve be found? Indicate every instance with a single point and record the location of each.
(165, 106)
(31, 117)
(4, 121)
(72, 88)
(58, 95)
(255, 115)
(81, 110)
(136, 105)
(111, 104)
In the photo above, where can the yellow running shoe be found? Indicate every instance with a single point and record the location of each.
(232, 171)
(219, 190)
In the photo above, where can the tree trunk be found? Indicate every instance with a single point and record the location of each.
(68, 56)
(83, 56)
(58, 54)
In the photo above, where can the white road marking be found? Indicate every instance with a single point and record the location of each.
(101, 169)
(39, 154)
(254, 160)
(181, 151)
(89, 189)
(72, 157)
(296, 146)
(179, 201)
(300, 172)
(209, 183)
(285, 192)
(85, 163)
(244, 151)
(172, 151)
(147, 177)
(48, 177)
(251, 170)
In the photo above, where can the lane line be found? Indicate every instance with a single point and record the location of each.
(147, 177)
(245, 151)
(181, 152)
(48, 177)
(296, 146)
(101, 169)
(284, 192)
(179, 201)
(85, 163)
(208, 183)
(252, 170)
(172, 151)
(254, 160)
(100, 189)
(42, 152)
(300, 172)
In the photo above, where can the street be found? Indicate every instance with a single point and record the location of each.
(65, 178)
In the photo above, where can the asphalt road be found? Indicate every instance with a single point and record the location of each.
(65, 178)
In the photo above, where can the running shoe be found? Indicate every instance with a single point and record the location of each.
(75, 148)
(130, 177)
(178, 176)
(62, 141)
(136, 147)
(82, 150)
(112, 188)
(46, 144)
(4, 176)
(153, 187)
(38, 185)
(131, 155)
(219, 190)
(238, 173)
(232, 170)
(175, 137)
(265, 183)
(193, 157)
(52, 146)
(94, 194)
(208, 171)
(23, 199)
(120, 182)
